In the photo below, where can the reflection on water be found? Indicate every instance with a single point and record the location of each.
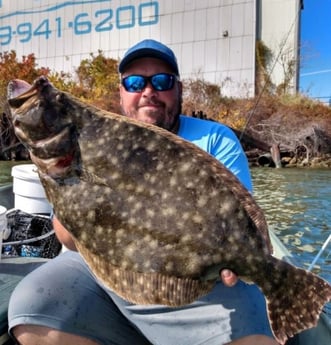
(297, 205)
(5, 170)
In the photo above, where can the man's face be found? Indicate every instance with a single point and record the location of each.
(160, 108)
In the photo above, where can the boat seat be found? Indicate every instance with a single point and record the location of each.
(12, 270)
(7, 196)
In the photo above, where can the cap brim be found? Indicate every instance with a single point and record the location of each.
(147, 52)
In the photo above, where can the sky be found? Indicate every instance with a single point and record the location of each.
(315, 70)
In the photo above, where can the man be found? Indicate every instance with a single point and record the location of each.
(62, 303)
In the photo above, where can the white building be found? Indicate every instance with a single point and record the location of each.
(279, 28)
(213, 39)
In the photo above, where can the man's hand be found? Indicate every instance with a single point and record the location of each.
(228, 278)
(63, 235)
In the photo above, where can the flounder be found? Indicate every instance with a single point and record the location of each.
(154, 216)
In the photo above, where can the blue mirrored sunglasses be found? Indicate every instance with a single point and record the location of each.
(160, 82)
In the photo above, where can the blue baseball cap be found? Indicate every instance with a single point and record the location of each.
(149, 48)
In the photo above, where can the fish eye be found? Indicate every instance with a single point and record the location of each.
(41, 81)
(60, 97)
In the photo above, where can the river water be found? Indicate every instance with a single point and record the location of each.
(297, 205)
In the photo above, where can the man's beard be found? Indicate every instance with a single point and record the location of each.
(159, 117)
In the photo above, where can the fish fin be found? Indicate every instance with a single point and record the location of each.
(145, 287)
(295, 298)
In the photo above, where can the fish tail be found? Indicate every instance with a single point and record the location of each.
(295, 298)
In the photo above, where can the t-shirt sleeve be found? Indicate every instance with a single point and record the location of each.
(219, 141)
(227, 149)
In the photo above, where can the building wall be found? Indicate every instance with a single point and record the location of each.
(279, 28)
(213, 39)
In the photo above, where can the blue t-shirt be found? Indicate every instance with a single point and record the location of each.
(219, 141)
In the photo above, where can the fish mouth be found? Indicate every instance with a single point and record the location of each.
(36, 110)
(39, 120)
(18, 91)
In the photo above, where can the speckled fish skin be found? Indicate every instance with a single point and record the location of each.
(154, 216)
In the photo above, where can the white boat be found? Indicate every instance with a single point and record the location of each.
(13, 269)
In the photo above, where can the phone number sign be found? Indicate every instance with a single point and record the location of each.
(54, 21)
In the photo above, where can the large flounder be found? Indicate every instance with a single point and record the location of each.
(154, 216)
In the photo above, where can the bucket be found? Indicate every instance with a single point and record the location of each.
(3, 226)
(3, 218)
(29, 194)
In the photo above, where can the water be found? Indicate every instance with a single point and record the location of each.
(5, 170)
(297, 205)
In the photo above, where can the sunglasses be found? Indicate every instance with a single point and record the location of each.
(160, 82)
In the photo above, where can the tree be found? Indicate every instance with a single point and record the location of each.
(98, 82)
(12, 68)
